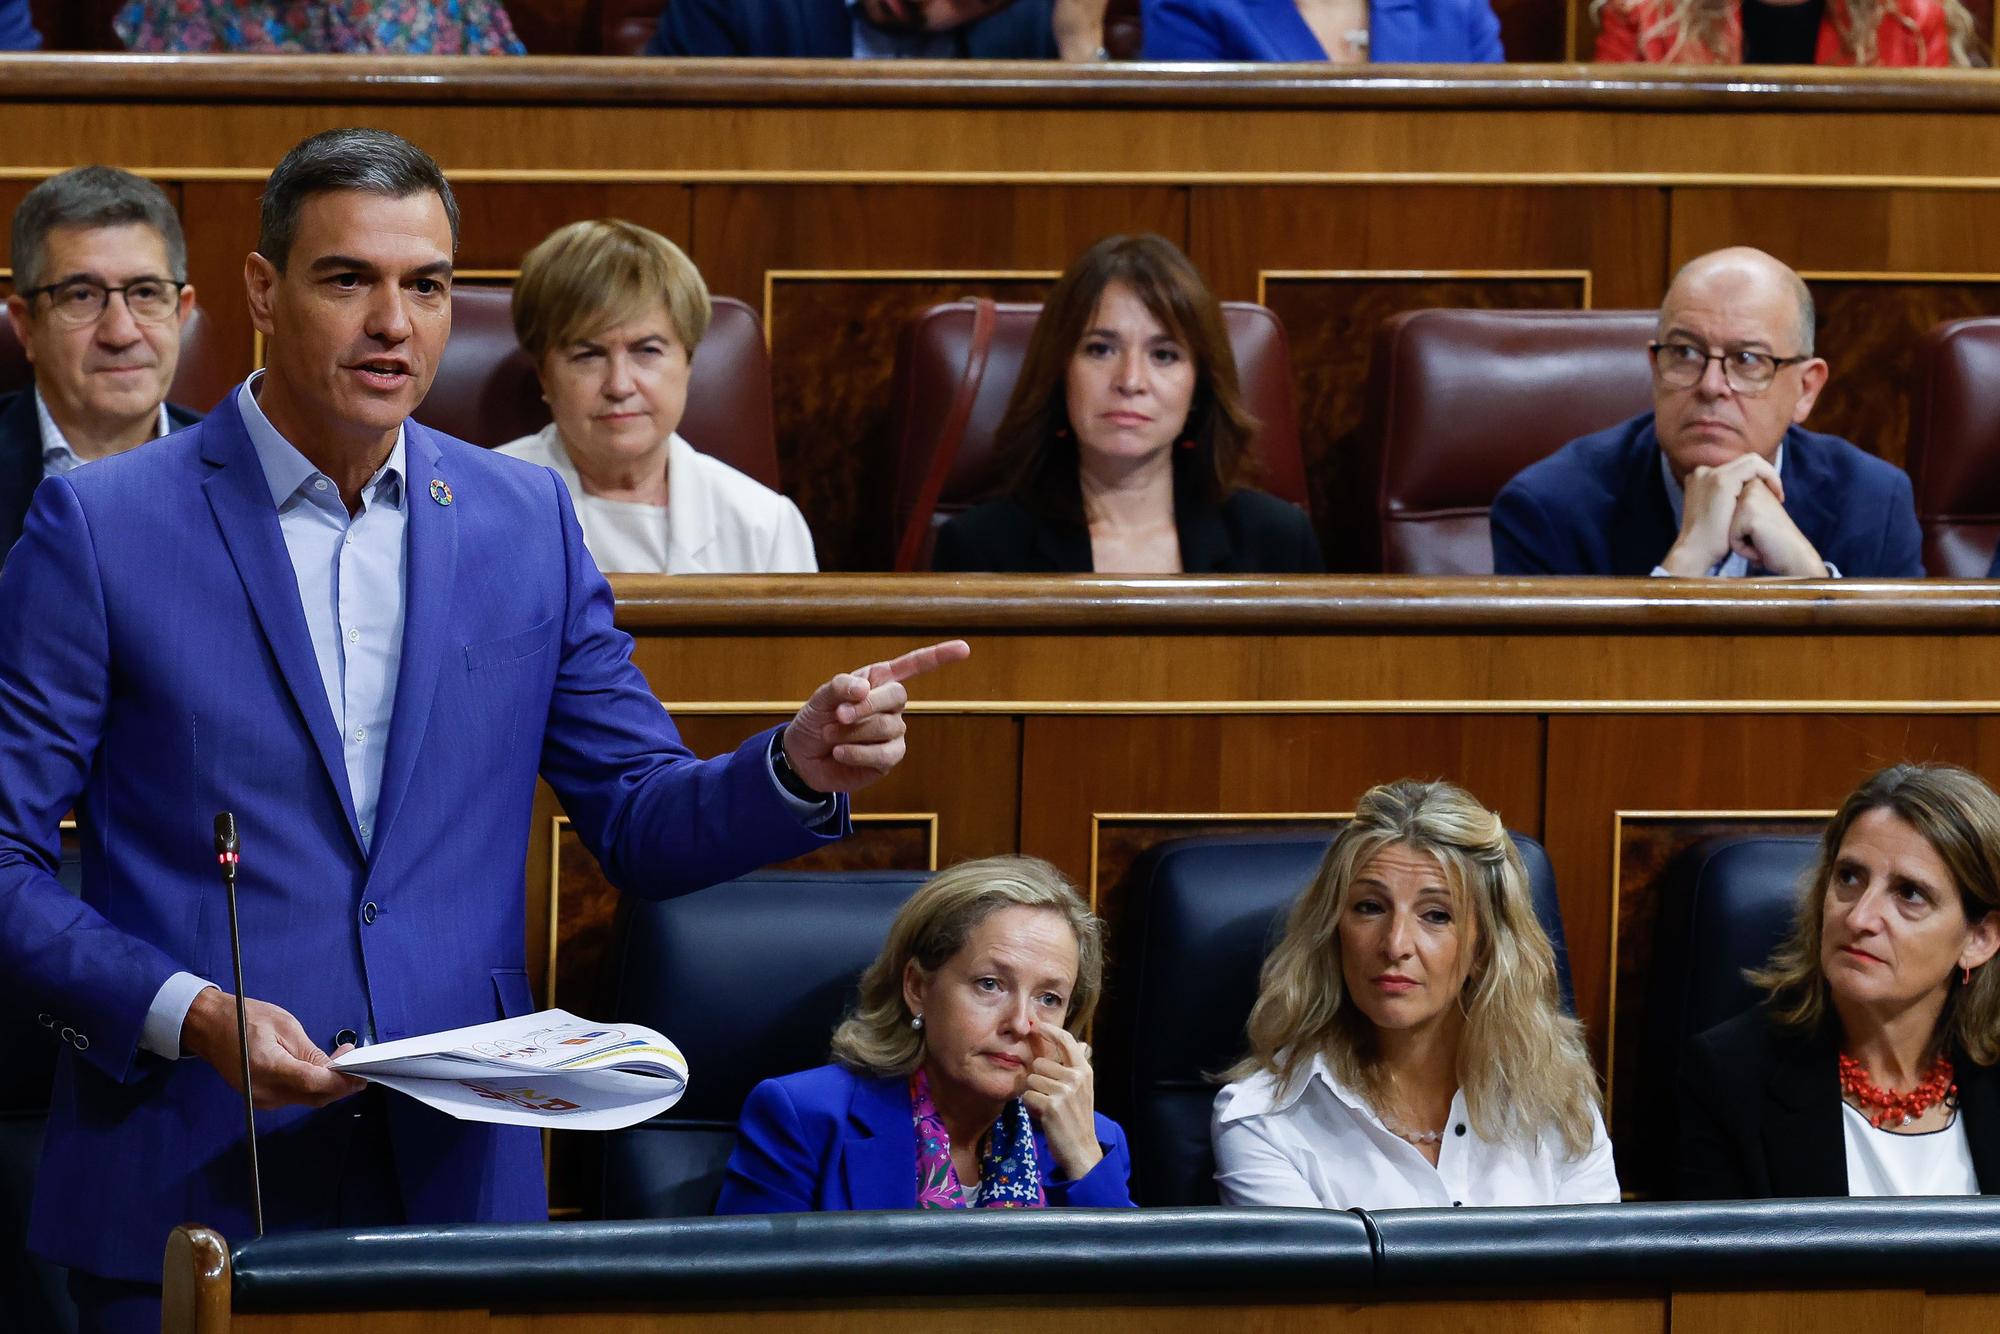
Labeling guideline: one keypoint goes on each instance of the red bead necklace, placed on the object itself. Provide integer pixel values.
(1884, 1108)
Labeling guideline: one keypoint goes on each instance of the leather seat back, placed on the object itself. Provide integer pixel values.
(1458, 401)
(1954, 453)
(488, 392)
(956, 365)
(1206, 913)
(749, 979)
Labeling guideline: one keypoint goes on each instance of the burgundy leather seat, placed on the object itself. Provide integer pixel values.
(201, 377)
(956, 365)
(625, 26)
(1458, 401)
(1954, 457)
(487, 391)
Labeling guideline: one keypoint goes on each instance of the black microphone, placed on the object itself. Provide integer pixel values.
(227, 857)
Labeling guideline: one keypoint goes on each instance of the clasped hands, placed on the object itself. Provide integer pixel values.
(847, 736)
(1739, 506)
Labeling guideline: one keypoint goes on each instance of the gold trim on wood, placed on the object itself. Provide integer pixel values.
(558, 823)
(1098, 819)
(1894, 276)
(1618, 819)
(773, 276)
(1126, 707)
(1367, 275)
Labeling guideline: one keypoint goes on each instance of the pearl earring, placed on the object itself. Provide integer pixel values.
(917, 1022)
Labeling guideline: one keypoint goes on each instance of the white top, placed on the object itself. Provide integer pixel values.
(1319, 1145)
(1882, 1163)
(716, 521)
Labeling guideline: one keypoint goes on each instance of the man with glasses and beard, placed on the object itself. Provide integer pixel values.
(1720, 479)
(99, 302)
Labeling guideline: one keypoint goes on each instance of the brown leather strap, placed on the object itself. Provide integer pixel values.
(950, 436)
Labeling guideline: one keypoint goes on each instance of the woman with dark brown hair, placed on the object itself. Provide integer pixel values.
(1126, 439)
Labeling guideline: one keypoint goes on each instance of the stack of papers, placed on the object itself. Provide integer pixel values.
(547, 1069)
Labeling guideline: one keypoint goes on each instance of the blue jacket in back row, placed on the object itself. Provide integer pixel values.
(824, 29)
(1399, 31)
(1598, 505)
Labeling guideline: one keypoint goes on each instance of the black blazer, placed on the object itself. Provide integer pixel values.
(1599, 506)
(1760, 1114)
(824, 29)
(1250, 532)
(21, 459)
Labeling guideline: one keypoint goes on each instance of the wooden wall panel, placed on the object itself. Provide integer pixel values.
(500, 221)
(1331, 321)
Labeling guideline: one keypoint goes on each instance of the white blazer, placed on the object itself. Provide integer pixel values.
(719, 521)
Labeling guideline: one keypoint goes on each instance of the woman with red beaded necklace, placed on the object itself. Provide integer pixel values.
(1870, 1068)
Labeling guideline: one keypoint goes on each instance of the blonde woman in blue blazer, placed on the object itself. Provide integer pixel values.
(1416, 32)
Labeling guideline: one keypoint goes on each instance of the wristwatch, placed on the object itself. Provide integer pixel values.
(788, 777)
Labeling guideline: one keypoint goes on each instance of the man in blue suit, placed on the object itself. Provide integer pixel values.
(364, 639)
(911, 29)
(99, 304)
(1720, 478)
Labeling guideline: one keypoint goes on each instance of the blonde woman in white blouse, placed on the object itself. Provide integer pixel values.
(1407, 1047)
(611, 313)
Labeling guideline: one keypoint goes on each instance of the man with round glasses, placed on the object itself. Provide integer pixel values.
(1720, 479)
(99, 303)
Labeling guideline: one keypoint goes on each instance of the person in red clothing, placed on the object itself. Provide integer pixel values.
(1787, 32)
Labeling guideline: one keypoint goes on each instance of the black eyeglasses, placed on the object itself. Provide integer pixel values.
(1683, 364)
(81, 301)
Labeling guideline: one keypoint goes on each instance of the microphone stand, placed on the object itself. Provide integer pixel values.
(227, 857)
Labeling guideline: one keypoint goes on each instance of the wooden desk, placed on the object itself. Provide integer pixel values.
(1617, 721)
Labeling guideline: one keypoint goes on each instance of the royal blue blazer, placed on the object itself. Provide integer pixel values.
(155, 668)
(1415, 32)
(830, 1139)
(1598, 505)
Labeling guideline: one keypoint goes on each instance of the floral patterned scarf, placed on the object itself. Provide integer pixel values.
(1009, 1177)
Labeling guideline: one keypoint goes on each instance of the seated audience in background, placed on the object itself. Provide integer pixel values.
(1345, 32)
(611, 314)
(1720, 478)
(17, 27)
(1407, 1047)
(1125, 440)
(1869, 1069)
(340, 27)
(956, 1082)
(1786, 32)
(99, 300)
(884, 29)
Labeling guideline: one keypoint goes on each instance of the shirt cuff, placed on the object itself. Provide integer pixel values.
(811, 814)
(161, 1033)
(1661, 572)
(1832, 570)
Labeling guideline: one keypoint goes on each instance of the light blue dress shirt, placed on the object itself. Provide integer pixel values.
(1734, 565)
(57, 455)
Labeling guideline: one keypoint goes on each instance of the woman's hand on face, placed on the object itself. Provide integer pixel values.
(1061, 1095)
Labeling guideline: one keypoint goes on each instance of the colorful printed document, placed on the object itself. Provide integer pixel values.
(547, 1069)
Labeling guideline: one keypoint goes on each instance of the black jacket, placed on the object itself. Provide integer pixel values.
(824, 29)
(1760, 1114)
(21, 459)
(1250, 532)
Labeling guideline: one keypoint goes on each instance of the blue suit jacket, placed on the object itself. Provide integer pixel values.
(17, 27)
(21, 458)
(155, 668)
(1598, 506)
(1399, 31)
(829, 1139)
(824, 29)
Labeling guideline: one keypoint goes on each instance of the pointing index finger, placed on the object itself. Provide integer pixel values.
(916, 662)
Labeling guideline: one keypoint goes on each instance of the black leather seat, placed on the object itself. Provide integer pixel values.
(1724, 905)
(31, 1291)
(748, 978)
(1206, 912)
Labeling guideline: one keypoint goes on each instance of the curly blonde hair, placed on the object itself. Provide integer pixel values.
(876, 1037)
(1959, 816)
(1521, 1060)
(1700, 29)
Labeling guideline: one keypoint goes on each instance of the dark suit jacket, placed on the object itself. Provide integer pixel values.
(1760, 1114)
(1599, 506)
(1250, 532)
(1399, 31)
(828, 1139)
(825, 30)
(21, 458)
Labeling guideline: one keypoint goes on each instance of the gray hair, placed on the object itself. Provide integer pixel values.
(91, 197)
(373, 161)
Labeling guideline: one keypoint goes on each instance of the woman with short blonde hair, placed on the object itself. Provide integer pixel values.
(957, 1081)
(1407, 1046)
(611, 314)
